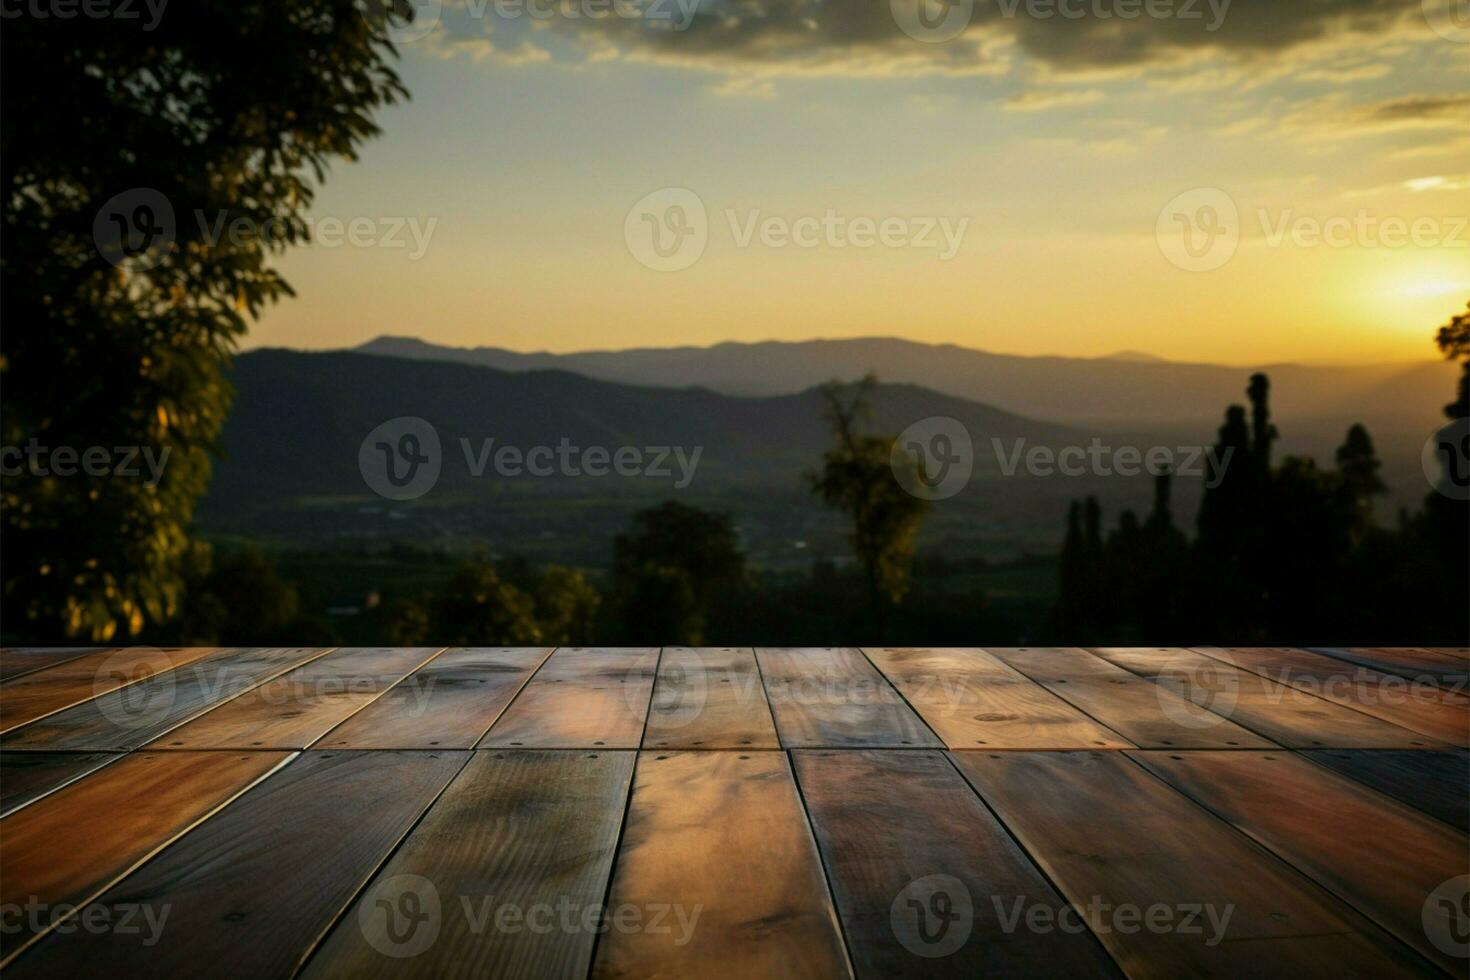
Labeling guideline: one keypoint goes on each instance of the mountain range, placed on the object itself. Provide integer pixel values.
(1129, 389)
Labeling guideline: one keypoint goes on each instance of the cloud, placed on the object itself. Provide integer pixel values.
(1043, 99)
(863, 37)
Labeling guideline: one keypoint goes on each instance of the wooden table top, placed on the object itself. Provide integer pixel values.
(735, 812)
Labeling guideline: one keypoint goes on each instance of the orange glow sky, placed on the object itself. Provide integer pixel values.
(1059, 141)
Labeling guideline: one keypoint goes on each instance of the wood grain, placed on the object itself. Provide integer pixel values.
(581, 698)
(976, 702)
(1438, 783)
(890, 826)
(1146, 713)
(450, 702)
(125, 719)
(529, 831)
(1284, 714)
(1442, 667)
(15, 661)
(721, 835)
(832, 697)
(1331, 830)
(43, 692)
(297, 708)
(1418, 706)
(251, 890)
(709, 698)
(28, 776)
(1106, 831)
(68, 846)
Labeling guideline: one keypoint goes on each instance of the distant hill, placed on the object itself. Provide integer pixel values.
(299, 418)
(1127, 389)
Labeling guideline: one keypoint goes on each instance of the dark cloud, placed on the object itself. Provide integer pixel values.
(1065, 35)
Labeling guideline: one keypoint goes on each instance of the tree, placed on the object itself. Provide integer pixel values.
(123, 303)
(478, 608)
(671, 572)
(857, 478)
(1357, 470)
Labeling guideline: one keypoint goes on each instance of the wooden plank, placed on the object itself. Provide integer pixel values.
(976, 702)
(709, 698)
(65, 848)
(16, 661)
(44, 692)
(903, 836)
(125, 719)
(450, 702)
(522, 839)
(1436, 666)
(27, 776)
(1284, 714)
(832, 697)
(1379, 856)
(250, 891)
(721, 836)
(1109, 834)
(581, 698)
(1438, 783)
(1418, 706)
(297, 708)
(1146, 713)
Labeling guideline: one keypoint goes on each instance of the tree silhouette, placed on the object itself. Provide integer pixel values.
(857, 478)
(119, 319)
(669, 573)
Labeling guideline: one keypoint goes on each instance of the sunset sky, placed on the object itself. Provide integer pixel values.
(1057, 141)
